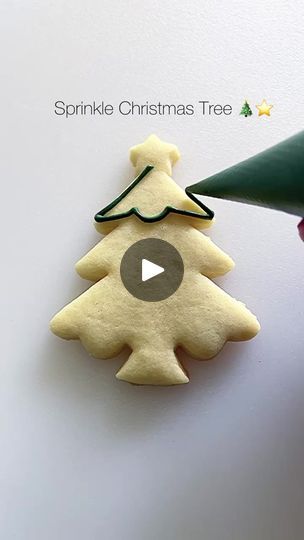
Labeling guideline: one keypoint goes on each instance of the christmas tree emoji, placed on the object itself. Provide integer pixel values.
(246, 111)
(152, 274)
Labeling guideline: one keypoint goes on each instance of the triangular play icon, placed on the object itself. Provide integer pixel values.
(150, 269)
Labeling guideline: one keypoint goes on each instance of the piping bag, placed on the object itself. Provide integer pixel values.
(273, 178)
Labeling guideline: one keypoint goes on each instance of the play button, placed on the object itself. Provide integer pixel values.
(149, 270)
(152, 269)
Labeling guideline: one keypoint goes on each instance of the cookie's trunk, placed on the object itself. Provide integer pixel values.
(160, 367)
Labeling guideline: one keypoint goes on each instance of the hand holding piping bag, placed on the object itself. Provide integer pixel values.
(273, 178)
(301, 229)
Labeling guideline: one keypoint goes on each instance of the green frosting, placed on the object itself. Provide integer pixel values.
(101, 215)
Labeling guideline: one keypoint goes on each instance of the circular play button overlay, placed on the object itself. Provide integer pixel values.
(152, 269)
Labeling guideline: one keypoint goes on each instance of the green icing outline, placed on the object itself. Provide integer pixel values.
(101, 217)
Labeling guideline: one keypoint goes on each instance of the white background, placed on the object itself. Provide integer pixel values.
(84, 456)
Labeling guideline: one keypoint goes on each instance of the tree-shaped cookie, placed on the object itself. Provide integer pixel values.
(197, 315)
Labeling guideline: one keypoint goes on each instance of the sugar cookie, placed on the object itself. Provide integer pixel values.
(152, 274)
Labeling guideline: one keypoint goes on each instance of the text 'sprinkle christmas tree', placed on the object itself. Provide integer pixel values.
(199, 316)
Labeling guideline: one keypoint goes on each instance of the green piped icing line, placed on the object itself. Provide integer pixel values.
(101, 215)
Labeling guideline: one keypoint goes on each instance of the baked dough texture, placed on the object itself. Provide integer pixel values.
(199, 317)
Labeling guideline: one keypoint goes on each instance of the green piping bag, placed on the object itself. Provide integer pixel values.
(273, 178)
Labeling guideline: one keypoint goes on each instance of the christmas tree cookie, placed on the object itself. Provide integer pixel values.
(153, 225)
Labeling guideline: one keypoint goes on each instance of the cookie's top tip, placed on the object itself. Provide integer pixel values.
(154, 151)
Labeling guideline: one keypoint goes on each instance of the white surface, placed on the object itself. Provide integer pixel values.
(150, 270)
(84, 456)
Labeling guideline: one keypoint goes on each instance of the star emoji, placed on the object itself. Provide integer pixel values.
(264, 108)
